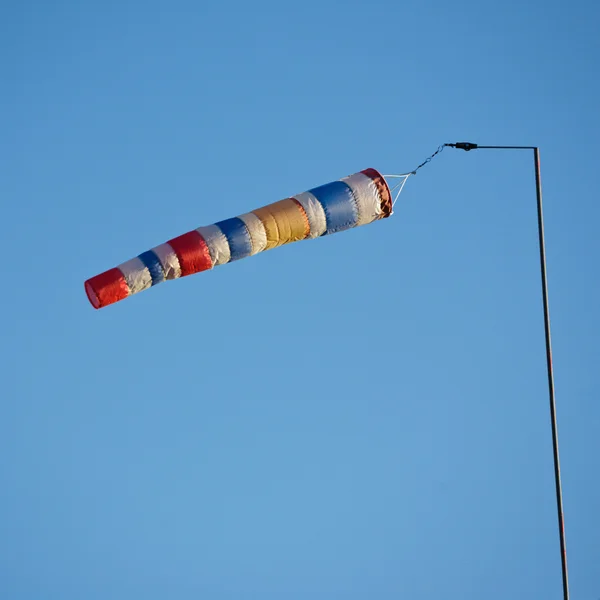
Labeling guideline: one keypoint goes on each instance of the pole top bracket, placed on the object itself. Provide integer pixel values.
(463, 146)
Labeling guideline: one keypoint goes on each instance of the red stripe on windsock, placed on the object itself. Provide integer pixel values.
(106, 288)
(192, 252)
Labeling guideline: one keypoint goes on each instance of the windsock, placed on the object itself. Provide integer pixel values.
(355, 200)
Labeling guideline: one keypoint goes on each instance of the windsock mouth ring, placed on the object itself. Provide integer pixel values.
(384, 191)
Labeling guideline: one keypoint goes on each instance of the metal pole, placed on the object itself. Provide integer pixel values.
(542, 247)
(559, 501)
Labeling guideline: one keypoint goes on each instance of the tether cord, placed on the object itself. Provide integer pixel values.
(428, 160)
(400, 186)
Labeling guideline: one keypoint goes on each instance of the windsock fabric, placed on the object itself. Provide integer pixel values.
(350, 202)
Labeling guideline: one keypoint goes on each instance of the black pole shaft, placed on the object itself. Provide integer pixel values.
(542, 247)
(550, 370)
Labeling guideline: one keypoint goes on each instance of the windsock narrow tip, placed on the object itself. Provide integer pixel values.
(106, 288)
(91, 294)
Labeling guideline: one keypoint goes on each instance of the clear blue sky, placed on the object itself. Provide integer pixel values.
(360, 416)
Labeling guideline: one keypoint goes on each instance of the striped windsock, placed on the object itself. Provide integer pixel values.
(355, 200)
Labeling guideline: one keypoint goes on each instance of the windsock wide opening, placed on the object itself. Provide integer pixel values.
(384, 191)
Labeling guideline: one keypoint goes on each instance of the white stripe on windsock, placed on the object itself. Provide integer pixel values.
(367, 197)
(258, 235)
(168, 260)
(217, 243)
(136, 275)
(315, 213)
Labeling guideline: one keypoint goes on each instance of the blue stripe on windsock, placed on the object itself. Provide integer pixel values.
(153, 265)
(339, 205)
(237, 235)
